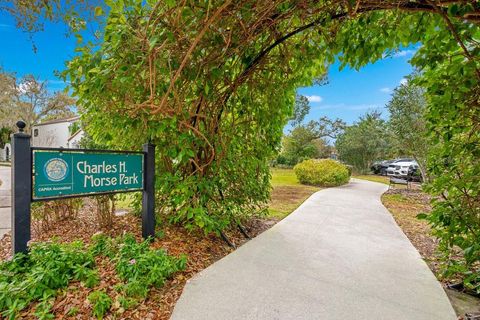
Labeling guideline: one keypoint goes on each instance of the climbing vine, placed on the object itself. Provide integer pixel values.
(212, 84)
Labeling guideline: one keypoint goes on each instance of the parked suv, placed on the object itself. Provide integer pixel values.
(401, 167)
(380, 167)
(384, 166)
(376, 167)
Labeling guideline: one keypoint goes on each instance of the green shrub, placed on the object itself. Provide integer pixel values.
(73, 311)
(38, 275)
(101, 303)
(137, 264)
(350, 169)
(126, 303)
(323, 173)
(143, 267)
(43, 310)
(48, 267)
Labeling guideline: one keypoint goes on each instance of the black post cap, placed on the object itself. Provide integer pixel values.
(21, 125)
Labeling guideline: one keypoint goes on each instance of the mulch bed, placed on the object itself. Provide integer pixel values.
(201, 251)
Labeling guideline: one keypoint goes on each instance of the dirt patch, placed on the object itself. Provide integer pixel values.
(285, 199)
(201, 251)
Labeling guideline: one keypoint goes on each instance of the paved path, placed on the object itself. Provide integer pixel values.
(5, 201)
(339, 256)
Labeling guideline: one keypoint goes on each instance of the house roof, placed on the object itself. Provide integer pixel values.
(69, 119)
(75, 134)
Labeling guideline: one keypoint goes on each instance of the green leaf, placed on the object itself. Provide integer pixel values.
(422, 216)
(98, 11)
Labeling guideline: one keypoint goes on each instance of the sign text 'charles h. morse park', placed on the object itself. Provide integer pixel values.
(44, 174)
(64, 173)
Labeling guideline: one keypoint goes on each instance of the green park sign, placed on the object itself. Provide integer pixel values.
(71, 173)
(43, 174)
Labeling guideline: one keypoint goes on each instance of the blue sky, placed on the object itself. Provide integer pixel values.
(17, 54)
(348, 95)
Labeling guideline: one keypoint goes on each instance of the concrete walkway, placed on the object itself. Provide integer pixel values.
(5, 201)
(339, 256)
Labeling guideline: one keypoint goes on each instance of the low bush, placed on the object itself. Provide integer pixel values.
(322, 173)
(137, 264)
(100, 302)
(105, 210)
(38, 275)
(47, 214)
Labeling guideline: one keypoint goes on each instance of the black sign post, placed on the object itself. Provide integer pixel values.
(68, 173)
(21, 189)
(148, 199)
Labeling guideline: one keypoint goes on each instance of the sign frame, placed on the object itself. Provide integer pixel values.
(22, 187)
(67, 150)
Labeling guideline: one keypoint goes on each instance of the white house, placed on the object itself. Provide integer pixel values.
(6, 152)
(57, 134)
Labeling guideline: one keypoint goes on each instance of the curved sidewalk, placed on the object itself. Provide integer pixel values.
(340, 255)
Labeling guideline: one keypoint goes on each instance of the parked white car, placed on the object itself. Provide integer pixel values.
(400, 168)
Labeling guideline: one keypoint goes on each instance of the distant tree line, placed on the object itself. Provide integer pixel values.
(29, 99)
(404, 135)
(369, 139)
(307, 140)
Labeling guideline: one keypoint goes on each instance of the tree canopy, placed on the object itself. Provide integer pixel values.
(407, 120)
(300, 109)
(212, 83)
(28, 99)
(30, 16)
(301, 143)
(364, 142)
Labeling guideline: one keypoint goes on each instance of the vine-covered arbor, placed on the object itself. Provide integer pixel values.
(213, 82)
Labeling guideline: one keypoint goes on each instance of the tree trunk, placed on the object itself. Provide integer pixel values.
(422, 168)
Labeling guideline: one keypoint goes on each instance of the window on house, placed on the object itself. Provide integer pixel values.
(35, 133)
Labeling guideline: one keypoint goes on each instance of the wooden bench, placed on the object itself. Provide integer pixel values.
(394, 181)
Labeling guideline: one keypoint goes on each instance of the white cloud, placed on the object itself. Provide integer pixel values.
(386, 90)
(363, 107)
(351, 107)
(403, 81)
(403, 53)
(23, 88)
(314, 98)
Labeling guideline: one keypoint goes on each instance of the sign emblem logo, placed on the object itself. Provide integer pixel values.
(56, 169)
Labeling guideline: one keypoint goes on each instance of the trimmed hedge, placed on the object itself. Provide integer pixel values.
(322, 173)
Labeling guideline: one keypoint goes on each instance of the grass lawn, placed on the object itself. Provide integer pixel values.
(287, 193)
(374, 178)
(386, 180)
(284, 177)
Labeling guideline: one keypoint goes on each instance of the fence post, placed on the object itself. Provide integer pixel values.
(148, 199)
(21, 189)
